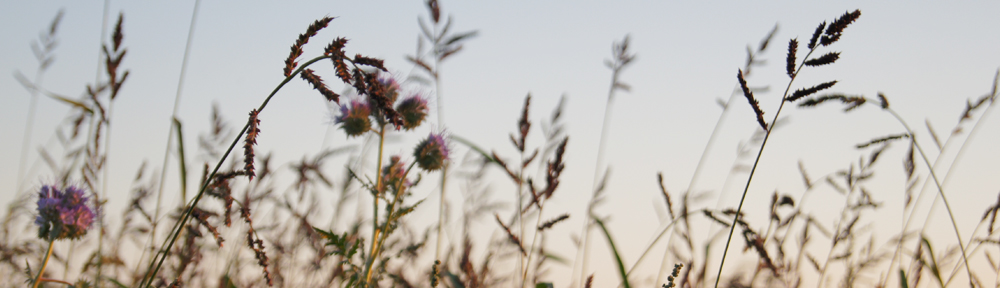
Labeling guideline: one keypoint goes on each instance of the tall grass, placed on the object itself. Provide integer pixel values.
(287, 242)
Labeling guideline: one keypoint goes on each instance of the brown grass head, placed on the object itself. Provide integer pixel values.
(793, 46)
(548, 224)
(835, 30)
(753, 102)
(523, 126)
(798, 94)
(816, 34)
(290, 63)
(827, 58)
(510, 235)
(248, 154)
(310, 76)
(254, 242)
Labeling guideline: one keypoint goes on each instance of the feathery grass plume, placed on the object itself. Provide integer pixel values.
(251, 140)
(548, 224)
(833, 32)
(590, 281)
(290, 63)
(827, 58)
(809, 91)
(310, 76)
(510, 235)
(793, 46)
(753, 102)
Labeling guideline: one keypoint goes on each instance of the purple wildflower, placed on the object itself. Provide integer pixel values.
(63, 214)
(432, 152)
(414, 111)
(355, 119)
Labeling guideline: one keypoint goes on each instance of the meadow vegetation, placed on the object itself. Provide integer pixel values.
(218, 238)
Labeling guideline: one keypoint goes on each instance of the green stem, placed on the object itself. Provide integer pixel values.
(389, 217)
(378, 190)
(45, 262)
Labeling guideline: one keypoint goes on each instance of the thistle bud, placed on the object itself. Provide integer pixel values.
(391, 88)
(393, 173)
(432, 152)
(354, 120)
(414, 111)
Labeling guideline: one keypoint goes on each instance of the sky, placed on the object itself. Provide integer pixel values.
(928, 58)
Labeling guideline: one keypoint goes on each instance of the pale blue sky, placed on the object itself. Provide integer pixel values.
(927, 57)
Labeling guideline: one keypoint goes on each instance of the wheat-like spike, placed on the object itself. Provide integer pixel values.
(369, 61)
(510, 235)
(815, 36)
(290, 63)
(753, 102)
(827, 58)
(882, 102)
(666, 195)
(251, 140)
(834, 31)
(310, 76)
(548, 224)
(889, 138)
(793, 46)
(809, 91)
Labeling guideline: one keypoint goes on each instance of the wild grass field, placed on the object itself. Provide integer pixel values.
(420, 170)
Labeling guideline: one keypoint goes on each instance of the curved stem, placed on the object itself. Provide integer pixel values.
(767, 135)
(169, 242)
(45, 262)
(944, 199)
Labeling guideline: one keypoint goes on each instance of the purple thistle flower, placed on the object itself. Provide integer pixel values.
(63, 214)
(432, 152)
(414, 111)
(355, 119)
